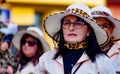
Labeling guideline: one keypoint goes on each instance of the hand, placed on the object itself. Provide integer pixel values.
(8, 70)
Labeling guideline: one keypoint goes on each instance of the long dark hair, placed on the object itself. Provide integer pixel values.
(92, 49)
(23, 59)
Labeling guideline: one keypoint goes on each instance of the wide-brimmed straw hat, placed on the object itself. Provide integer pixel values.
(102, 11)
(52, 23)
(35, 33)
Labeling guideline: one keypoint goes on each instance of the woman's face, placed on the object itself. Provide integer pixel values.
(4, 46)
(74, 31)
(29, 46)
(106, 24)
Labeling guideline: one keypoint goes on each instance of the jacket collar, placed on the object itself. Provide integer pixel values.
(115, 49)
(83, 58)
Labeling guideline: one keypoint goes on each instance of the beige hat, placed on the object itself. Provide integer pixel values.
(52, 23)
(37, 30)
(34, 33)
(102, 11)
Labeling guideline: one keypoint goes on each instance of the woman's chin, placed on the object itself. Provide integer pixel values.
(72, 42)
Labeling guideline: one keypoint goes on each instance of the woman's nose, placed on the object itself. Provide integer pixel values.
(71, 27)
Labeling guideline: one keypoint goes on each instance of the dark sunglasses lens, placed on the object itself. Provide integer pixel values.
(31, 43)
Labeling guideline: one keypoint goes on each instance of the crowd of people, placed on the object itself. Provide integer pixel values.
(86, 42)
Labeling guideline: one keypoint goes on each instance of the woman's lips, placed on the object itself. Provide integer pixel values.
(72, 35)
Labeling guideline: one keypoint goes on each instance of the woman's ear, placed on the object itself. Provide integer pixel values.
(89, 30)
(87, 34)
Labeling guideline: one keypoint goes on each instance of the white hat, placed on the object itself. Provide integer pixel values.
(37, 30)
(52, 23)
(11, 28)
(33, 32)
(102, 11)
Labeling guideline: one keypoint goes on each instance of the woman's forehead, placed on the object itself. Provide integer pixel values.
(26, 36)
(68, 17)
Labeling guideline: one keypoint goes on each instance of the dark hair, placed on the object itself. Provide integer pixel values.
(23, 59)
(91, 50)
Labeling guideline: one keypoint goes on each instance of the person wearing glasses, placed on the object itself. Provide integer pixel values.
(103, 16)
(78, 37)
(31, 46)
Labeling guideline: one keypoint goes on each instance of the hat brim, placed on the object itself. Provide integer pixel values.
(116, 22)
(16, 39)
(52, 25)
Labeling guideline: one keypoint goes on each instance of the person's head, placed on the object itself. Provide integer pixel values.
(78, 12)
(7, 29)
(106, 24)
(73, 26)
(103, 16)
(74, 29)
(30, 44)
(6, 42)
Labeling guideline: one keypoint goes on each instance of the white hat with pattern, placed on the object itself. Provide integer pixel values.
(102, 11)
(52, 23)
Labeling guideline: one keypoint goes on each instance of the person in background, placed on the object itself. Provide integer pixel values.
(31, 46)
(103, 16)
(11, 28)
(78, 37)
(8, 63)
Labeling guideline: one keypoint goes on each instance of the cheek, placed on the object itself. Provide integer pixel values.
(29, 50)
(33, 50)
(82, 35)
(65, 33)
(83, 32)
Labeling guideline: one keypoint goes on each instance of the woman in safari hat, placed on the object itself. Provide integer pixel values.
(78, 38)
(103, 16)
(31, 46)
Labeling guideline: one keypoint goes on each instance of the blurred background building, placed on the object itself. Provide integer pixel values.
(32, 12)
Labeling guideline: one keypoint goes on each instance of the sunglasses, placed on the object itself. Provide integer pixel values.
(29, 42)
(77, 24)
